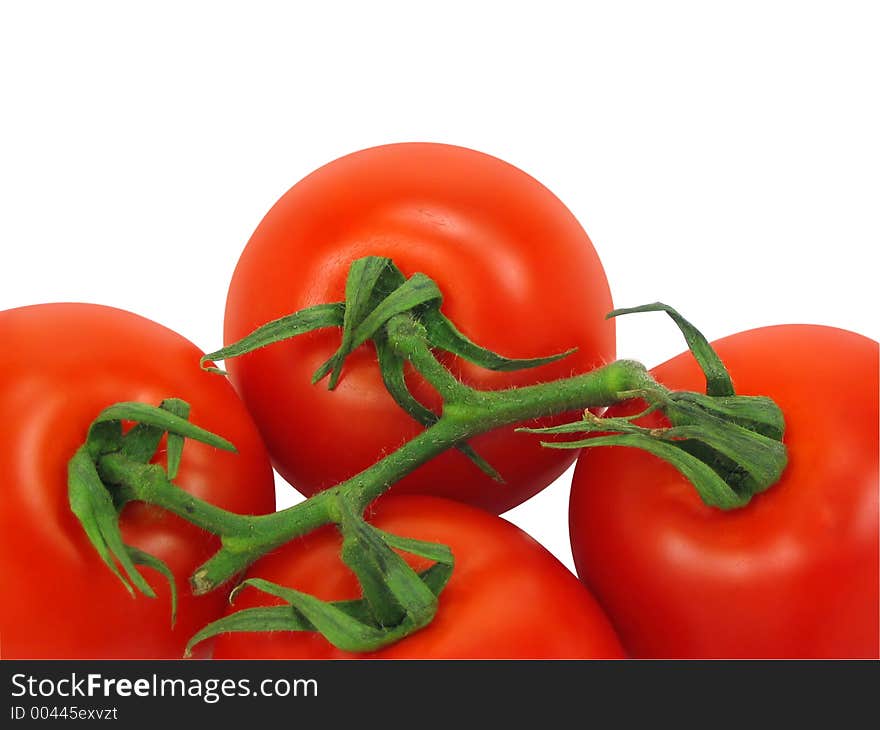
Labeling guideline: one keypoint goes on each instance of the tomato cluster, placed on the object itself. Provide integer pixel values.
(792, 574)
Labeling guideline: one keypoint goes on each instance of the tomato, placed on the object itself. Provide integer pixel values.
(794, 573)
(519, 276)
(507, 597)
(62, 364)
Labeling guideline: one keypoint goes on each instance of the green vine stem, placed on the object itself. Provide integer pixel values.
(246, 538)
(729, 446)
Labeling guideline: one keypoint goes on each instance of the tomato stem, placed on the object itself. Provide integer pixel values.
(409, 338)
(149, 483)
(245, 538)
(479, 412)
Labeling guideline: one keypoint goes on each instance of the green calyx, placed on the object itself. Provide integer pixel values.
(728, 446)
(396, 600)
(379, 299)
(375, 292)
(98, 508)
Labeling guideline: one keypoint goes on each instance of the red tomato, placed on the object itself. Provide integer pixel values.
(62, 364)
(519, 276)
(793, 574)
(507, 597)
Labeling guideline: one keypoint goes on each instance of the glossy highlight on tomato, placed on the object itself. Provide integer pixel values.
(519, 276)
(507, 597)
(62, 364)
(794, 573)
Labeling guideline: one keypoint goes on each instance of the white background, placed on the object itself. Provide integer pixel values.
(723, 157)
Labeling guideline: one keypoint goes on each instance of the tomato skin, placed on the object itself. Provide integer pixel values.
(62, 364)
(507, 597)
(519, 276)
(792, 575)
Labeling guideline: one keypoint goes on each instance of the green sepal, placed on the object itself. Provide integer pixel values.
(363, 275)
(437, 576)
(370, 280)
(761, 456)
(754, 412)
(264, 618)
(140, 557)
(283, 328)
(373, 562)
(713, 490)
(391, 588)
(174, 444)
(142, 440)
(438, 552)
(149, 416)
(718, 381)
(444, 335)
(104, 437)
(94, 508)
